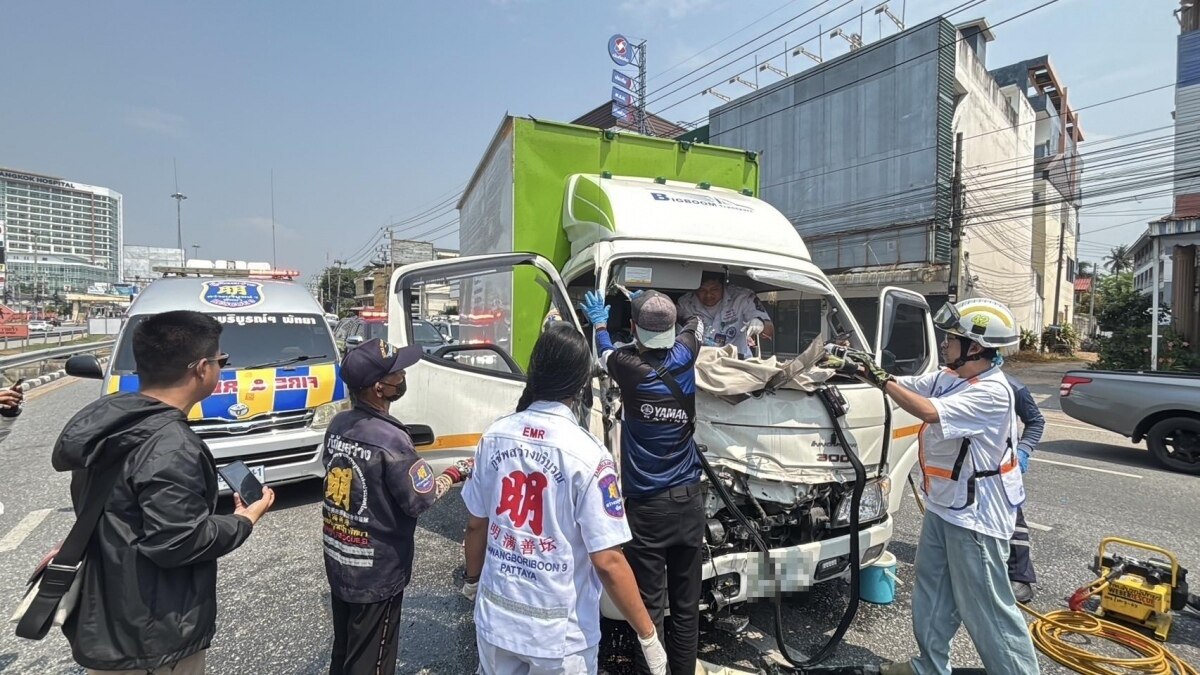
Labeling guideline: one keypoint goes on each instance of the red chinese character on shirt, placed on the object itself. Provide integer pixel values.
(527, 546)
(494, 530)
(548, 545)
(521, 497)
(510, 542)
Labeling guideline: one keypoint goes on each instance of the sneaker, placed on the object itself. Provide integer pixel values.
(1023, 591)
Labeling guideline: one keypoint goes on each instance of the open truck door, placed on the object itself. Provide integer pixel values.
(459, 389)
(905, 345)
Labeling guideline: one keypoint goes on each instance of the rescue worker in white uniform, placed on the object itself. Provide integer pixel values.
(546, 527)
(971, 481)
(729, 315)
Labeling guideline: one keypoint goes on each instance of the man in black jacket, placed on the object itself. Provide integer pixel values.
(375, 487)
(148, 602)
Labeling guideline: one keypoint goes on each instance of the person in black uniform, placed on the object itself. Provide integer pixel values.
(375, 487)
(660, 465)
(1020, 563)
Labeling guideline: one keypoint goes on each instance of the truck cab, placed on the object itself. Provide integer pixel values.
(773, 445)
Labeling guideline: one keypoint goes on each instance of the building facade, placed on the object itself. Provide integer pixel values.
(1142, 253)
(138, 262)
(859, 152)
(60, 236)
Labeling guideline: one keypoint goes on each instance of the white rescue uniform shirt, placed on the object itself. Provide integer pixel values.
(970, 474)
(551, 495)
(725, 323)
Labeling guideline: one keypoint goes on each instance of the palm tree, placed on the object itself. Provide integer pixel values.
(1118, 259)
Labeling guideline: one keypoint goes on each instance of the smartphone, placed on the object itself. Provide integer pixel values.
(237, 475)
(18, 383)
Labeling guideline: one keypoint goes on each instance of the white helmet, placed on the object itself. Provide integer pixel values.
(980, 320)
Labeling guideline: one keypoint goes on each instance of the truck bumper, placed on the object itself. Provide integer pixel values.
(286, 457)
(793, 569)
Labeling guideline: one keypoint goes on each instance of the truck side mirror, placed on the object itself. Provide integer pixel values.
(421, 434)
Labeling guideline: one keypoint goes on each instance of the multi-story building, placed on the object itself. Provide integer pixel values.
(1057, 171)
(60, 235)
(859, 152)
(1142, 253)
(138, 262)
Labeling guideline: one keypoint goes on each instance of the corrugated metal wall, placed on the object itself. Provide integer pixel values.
(857, 143)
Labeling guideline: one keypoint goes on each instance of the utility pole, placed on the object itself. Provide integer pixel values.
(337, 299)
(1092, 310)
(274, 260)
(957, 197)
(178, 197)
(325, 288)
(195, 250)
(1062, 212)
(642, 121)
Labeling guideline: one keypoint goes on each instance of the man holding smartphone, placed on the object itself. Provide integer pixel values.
(148, 601)
(375, 487)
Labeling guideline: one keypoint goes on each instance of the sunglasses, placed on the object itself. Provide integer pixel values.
(221, 360)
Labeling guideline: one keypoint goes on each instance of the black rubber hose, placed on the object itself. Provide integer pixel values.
(860, 479)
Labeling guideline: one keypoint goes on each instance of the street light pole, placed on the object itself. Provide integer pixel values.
(178, 197)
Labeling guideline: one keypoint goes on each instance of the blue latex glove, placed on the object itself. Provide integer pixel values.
(1023, 459)
(593, 306)
(634, 295)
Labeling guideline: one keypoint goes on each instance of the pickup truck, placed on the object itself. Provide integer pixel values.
(1163, 408)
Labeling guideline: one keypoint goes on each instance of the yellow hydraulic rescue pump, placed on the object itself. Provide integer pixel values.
(1139, 592)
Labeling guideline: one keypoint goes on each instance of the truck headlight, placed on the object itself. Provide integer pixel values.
(324, 414)
(873, 506)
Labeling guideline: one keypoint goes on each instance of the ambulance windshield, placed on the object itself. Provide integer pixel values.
(251, 339)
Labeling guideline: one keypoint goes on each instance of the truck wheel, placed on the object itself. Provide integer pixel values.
(1175, 443)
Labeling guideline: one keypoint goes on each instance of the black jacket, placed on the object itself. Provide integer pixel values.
(149, 594)
(375, 487)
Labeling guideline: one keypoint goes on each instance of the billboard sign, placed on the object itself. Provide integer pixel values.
(622, 113)
(620, 51)
(621, 96)
(622, 80)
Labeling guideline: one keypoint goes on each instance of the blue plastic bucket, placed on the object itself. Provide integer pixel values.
(877, 583)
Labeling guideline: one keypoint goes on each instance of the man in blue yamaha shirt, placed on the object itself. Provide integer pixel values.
(375, 487)
(660, 465)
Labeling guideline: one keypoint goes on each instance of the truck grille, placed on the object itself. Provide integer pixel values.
(273, 458)
(258, 425)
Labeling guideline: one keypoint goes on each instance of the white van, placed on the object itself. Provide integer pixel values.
(281, 387)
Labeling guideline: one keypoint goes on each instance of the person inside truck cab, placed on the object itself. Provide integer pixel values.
(729, 314)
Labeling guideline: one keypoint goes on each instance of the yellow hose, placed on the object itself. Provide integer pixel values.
(1049, 633)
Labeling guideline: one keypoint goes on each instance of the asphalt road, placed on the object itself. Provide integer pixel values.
(1084, 484)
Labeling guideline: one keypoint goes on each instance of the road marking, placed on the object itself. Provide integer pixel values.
(1039, 527)
(1086, 468)
(23, 529)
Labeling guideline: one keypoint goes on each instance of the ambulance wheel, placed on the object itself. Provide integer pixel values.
(1175, 443)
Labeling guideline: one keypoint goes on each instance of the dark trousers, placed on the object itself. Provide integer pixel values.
(1020, 564)
(665, 554)
(366, 637)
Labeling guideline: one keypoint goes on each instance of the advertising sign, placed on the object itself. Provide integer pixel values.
(15, 325)
(621, 112)
(622, 80)
(620, 51)
(621, 96)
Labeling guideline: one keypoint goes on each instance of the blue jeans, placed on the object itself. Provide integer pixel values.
(962, 578)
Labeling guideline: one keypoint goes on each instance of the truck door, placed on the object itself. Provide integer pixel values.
(501, 303)
(905, 344)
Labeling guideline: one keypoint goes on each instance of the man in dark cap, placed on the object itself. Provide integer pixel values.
(660, 465)
(375, 487)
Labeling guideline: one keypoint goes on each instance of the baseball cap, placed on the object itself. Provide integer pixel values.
(654, 318)
(374, 360)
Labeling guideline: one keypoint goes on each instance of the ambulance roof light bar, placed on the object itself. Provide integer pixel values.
(168, 271)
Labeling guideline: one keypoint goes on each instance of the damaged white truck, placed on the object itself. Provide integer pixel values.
(556, 210)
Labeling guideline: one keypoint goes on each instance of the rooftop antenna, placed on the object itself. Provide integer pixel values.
(885, 11)
(718, 94)
(178, 197)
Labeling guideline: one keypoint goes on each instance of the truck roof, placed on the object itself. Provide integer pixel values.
(260, 295)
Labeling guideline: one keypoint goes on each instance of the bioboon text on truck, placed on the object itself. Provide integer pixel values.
(556, 210)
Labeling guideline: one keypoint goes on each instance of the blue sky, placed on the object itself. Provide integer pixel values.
(369, 112)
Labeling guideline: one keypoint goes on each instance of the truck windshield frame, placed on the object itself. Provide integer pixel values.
(250, 339)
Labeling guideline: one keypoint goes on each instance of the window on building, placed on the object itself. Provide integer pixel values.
(1070, 269)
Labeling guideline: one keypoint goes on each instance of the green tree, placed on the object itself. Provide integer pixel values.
(336, 289)
(1084, 270)
(1127, 314)
(1119, 259)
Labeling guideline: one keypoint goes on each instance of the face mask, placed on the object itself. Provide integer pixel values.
(401, 389)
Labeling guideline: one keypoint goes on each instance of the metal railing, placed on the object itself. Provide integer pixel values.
(65, 351)
(58, 335)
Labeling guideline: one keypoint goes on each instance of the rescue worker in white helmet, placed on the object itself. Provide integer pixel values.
(971, 482)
